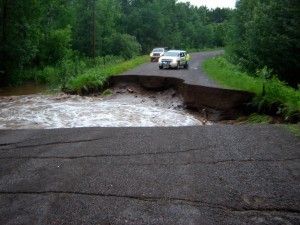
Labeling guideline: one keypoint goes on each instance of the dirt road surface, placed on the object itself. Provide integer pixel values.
(218, 174)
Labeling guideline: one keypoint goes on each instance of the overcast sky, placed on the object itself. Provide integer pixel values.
(212, 3)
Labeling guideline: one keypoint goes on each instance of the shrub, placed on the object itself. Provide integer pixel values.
(94, 79)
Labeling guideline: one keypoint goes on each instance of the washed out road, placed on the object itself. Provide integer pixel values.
(219, 174)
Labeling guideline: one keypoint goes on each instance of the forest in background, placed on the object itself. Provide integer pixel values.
(266, 34)
(47, 34)
(50, 41)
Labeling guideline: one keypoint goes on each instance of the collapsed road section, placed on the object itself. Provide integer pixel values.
(214, 103)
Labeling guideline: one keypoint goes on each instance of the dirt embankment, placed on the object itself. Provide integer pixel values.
(213, 103)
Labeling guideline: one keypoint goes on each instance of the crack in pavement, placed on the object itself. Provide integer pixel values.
(17, 145)
(241, 161)
(176, 201)
(215, 162)
(156, 153)
(104, 155)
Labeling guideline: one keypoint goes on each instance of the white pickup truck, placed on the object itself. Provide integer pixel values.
(156, 53)
(174, 59)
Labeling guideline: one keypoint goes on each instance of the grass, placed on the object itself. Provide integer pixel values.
(256, 118)
(278, 99)
(93, 80)
(228, 76)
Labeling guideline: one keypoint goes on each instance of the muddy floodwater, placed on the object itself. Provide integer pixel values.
(125, 107)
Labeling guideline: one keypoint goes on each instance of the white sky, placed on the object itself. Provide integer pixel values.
(212, 3)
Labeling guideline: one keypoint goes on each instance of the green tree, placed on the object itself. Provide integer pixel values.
(51, 33)
(58, 46)
(267, 33)
(123, 45)
(19, 37)
(84, 26)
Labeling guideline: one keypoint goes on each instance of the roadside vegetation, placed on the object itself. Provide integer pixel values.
(272, 96)
(75, 45)
(263, 57)
(95, 79)
(54, 41)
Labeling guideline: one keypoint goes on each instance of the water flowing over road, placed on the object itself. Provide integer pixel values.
(122, 109)
(65, 111)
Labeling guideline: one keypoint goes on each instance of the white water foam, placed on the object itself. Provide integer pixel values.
(38, 111)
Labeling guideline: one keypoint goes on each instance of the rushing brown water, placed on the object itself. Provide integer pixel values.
(121, 109)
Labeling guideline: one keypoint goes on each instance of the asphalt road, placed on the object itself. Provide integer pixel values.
(219, 174)
(193, 75)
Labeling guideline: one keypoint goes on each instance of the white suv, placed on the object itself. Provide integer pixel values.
(174, 59)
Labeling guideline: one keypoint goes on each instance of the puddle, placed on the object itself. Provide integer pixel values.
(126, 107)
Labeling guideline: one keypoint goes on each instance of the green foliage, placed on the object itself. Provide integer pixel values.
(56, 75)
(37, 35)
(256, 118)
(19, 37)
(266, 33)
(229, 76)
(123, 45)
(57, 46)
(278, 98)
(94, 79)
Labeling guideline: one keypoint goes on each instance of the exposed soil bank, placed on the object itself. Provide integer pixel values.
(213, 103)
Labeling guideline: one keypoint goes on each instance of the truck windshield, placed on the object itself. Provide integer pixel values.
(158, 50)
(171, 54)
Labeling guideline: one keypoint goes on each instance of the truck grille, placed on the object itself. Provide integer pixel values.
(166, 62)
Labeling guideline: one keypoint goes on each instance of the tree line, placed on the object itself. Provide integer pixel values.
(39, 33)
(36, 34)
(266, 34)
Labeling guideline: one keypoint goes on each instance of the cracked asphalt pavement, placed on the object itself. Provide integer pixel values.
(245, 174)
